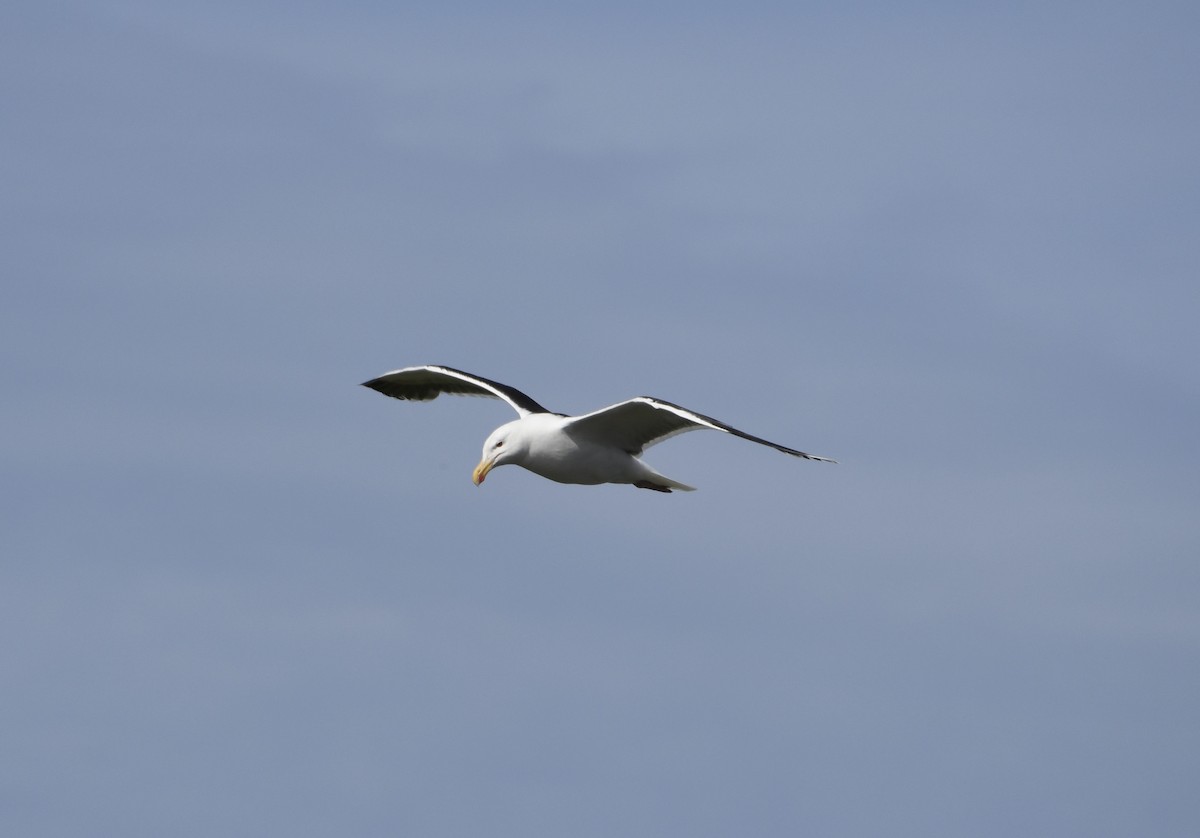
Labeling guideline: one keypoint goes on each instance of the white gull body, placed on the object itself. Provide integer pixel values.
(599, 447)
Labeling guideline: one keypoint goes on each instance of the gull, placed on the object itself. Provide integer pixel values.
(603, 446)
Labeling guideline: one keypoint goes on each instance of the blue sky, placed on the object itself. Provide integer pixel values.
(954, 248)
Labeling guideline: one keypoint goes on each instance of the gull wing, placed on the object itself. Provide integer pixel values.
(639, 423)
(424, 383)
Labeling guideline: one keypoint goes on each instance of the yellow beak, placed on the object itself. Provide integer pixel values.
(481, 471)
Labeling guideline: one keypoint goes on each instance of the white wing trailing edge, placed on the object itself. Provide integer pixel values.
(644, 421)
(428, 382)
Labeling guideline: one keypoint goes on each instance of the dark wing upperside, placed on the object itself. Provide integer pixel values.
(639, 423)
(429, 382)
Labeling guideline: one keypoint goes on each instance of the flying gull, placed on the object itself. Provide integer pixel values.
(603, 446)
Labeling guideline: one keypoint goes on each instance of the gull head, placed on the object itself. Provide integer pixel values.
(503, 446)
